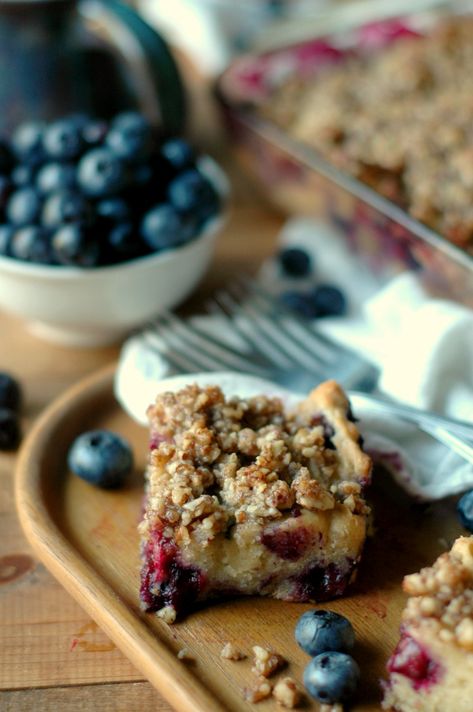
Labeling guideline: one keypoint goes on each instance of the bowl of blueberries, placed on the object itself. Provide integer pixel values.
(102, 225)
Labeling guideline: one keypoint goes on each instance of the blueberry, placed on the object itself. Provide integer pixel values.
(332, 677)
(191, 192)
(321, 631)
(94, 132)
(23, 175)
(329, 301)
(62, 140)
(55, 177)
(27, 143)
(130, 137)
(164, 227)
(123, 242)
(10, 392)
(101, 457)
(100, 173)
(24, 207)
(178, 153)
(131, 121)
(66, 207)
(6, 233)
(465, 510)
(75, 245)
(300, 303)
(31, 244)
(9, 429)
(113, 210)
(295, 262)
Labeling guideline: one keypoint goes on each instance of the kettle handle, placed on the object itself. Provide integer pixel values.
(165, 75)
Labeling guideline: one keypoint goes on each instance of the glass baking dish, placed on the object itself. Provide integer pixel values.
(298, 180)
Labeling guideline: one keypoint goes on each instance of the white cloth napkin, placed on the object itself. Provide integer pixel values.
(423, 347)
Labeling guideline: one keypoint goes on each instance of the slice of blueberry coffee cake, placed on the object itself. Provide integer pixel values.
(242, 498)
(431, 669)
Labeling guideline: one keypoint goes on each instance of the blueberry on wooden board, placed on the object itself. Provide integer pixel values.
(102, 458)
(332, 677)
(322, 631)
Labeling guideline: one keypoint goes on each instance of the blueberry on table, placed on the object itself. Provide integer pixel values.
(329, 300)
(102, 458)
(10, 392)
(295, 262)
(62, 140)
(75, 245)
(10, 433)
(164, 227)
(320, 631)
(178, 153)
(100, 173)
(465, 510)
(332, 677)
(24, 207)
(31, 243)
(300, 303)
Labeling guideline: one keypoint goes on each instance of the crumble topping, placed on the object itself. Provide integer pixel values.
(259, 691)
(231, 652)
(442, 595)
(399, 119)
(287, 693)
(216, 462)
(167, 614)
(266, 662)
(185, 654)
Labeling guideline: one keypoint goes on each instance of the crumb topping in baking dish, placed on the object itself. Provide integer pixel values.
(400, 119)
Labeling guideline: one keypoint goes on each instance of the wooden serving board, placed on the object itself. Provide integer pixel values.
(87, 537)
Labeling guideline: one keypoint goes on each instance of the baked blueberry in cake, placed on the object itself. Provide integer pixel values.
(431, 669)
(243, 498)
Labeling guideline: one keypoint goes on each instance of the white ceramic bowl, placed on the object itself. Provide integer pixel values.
(93, 307)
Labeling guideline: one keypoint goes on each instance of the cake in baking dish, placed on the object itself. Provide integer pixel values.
(244, 498)
(431, 669)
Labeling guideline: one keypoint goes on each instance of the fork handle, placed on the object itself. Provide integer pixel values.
(462, 448)
(421, 417)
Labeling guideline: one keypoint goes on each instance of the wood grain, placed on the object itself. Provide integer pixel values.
(118, 697)
(88, 538)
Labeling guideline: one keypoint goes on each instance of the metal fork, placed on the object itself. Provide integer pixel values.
(275, 344)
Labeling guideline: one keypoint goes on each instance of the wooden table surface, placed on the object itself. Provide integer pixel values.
(52, 655)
